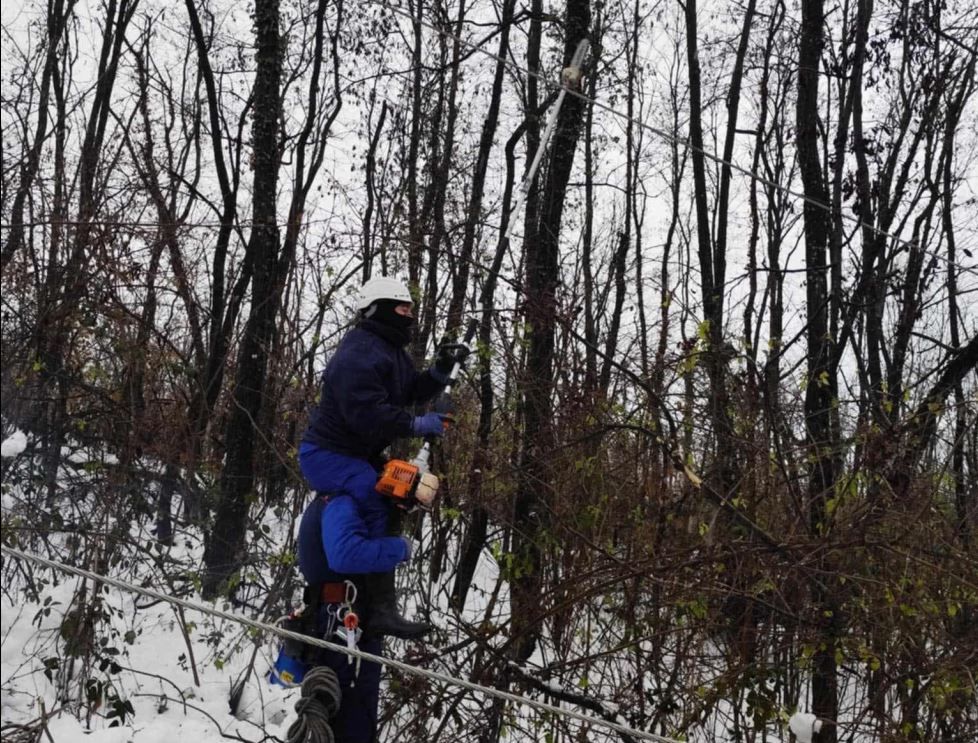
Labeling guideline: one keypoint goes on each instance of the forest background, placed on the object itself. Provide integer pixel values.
(716, 454)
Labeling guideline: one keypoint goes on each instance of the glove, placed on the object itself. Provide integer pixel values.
(411, 547)
(448, 355)
(429, 424)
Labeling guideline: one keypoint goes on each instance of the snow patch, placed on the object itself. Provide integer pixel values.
(804, 725)
(13, 445)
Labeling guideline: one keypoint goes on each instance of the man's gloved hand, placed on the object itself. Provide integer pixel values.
(448, 355)
(411, 547)
(429, 424)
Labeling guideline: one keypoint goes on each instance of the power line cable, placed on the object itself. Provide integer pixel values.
(353, 652)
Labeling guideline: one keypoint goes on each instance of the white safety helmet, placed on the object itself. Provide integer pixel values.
(383, 287)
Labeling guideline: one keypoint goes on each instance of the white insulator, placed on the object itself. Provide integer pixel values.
(570, 77)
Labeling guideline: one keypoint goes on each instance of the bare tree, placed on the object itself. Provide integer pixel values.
(223, 552)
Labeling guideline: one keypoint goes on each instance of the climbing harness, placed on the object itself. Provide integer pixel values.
(321, 695)
(295, 659)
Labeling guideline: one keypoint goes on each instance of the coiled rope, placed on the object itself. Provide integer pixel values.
(320, 700)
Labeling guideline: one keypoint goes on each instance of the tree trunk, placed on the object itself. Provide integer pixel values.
(963, 493)
(223, 310)
(66, 285)
(415, 242)
(474, 212)
(435, 198)
(619, 260)
(534, 497)
(818, 397)
(368, 213)
(224, 548)
(475, 537)
(712, 260)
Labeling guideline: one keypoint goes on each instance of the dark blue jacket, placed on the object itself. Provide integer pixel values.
(366, 388)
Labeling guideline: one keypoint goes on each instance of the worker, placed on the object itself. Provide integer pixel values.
(345, 536)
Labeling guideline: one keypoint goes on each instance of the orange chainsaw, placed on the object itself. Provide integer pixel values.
(412, 483)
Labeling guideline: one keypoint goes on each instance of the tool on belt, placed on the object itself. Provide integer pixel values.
(348, 627)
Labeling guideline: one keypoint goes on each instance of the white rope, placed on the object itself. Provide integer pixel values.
(287, 634)
(911, 244)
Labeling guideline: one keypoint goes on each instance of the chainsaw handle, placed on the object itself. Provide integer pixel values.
(444, 404)
(467, 341)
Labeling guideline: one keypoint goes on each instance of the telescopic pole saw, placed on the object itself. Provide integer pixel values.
(570, 79)
(411, 483)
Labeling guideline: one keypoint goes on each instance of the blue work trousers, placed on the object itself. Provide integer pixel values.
(354, 521)
(356, 721)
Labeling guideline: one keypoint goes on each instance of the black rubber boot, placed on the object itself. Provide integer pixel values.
(382, 616)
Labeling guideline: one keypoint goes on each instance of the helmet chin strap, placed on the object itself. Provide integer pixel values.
(371, 310)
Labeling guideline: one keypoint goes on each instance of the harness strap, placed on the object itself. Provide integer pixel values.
(330, 592)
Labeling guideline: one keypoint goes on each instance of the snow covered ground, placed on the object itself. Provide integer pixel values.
(152, 681)
(162, 672)
(155, 677)
(13, 445)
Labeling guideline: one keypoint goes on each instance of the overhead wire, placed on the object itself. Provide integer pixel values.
(285, 634)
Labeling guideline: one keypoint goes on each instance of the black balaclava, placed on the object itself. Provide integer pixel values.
(382, 316)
